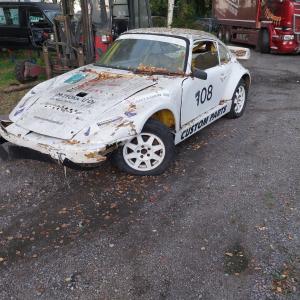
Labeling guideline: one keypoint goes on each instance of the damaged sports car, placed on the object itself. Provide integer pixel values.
(153, 89)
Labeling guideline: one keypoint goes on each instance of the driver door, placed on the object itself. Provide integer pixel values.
(200, 96)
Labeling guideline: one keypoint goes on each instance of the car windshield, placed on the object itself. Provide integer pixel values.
(145, 56)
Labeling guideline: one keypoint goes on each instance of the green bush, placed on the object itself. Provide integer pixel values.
(159, 7)
(184, 14)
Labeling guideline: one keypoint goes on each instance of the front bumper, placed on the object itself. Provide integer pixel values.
(60, 150)
(288, 47)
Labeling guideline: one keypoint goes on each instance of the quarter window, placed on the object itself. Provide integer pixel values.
(205, 55)
(9, 16)
(224, 55)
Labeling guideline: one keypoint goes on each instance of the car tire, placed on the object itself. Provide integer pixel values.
(221, 33)
(227, 35)
(239, 100)
(264, 41)
(148, 154)
(20, 72)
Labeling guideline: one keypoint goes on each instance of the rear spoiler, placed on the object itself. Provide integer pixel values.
(240, 52)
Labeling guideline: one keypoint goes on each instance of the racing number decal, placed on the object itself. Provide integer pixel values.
(204, 95)
(209, 93)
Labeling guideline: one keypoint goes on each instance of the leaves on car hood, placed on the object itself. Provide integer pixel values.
(66, 108)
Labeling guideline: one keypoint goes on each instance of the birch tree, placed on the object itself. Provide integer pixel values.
(170, 12)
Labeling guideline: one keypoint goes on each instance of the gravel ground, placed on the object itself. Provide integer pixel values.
(222, 223)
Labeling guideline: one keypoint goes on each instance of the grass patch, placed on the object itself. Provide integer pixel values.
(8, 61)
(7, 77)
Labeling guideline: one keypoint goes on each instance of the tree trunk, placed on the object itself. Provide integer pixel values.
(170, 12)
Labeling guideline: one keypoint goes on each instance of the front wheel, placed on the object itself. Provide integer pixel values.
(149, 153)
(239, 100)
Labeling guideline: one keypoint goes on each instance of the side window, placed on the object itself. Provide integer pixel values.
(2, 17)
(37, 18)
(9, 16)
(14, 15)
(225, 56)
(205, 55)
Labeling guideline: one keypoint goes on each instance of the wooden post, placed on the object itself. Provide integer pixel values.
(47, 62)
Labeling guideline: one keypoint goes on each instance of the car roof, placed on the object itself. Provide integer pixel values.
(176, 32)
(42, 5)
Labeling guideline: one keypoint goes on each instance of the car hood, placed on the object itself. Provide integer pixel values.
(75, 100)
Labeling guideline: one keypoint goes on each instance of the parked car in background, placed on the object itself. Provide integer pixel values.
(153, 89)
(26, 24)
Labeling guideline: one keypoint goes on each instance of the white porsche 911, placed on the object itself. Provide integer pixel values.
(153, 89)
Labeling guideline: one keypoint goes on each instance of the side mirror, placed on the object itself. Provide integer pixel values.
(199, 74)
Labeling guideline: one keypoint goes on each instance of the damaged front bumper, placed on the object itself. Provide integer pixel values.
(64, 152)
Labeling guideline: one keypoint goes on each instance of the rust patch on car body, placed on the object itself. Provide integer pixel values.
(131, 107)
(95, 155)
(223, 101)
(150, 70)
(126, 123)
(105, 75)
(72, 142)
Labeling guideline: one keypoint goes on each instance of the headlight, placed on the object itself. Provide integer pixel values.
(288, 37)
(105, 39)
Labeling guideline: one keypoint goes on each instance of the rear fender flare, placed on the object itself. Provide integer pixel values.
(237, 76)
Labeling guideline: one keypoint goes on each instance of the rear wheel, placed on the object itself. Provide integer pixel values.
(220, 33)
(264, 41)
(150, 153)
(227, 36)
(239, 100)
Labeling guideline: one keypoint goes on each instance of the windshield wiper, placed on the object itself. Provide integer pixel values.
(158, 72)
(102, 65)
(144, 70)
(112, 67)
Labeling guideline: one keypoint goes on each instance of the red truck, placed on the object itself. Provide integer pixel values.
(268, 24)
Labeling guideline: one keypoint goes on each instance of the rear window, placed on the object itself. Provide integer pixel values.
(9, 16)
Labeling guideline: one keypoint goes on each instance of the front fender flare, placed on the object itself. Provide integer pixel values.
(143, 119)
